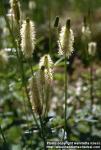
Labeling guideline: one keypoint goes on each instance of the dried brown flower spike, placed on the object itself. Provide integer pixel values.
(35, 96)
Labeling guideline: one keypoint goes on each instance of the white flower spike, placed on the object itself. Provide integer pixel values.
(27, 38)
(66, 40)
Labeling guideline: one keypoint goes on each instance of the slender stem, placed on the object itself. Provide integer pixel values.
(47, 100)
(12, 26)
(42, 132)
(91, 94)
(65, 86)
(50, 42)
(3, 136)
(43, 96)
(25, 109)
(31, 66)
(91, 89)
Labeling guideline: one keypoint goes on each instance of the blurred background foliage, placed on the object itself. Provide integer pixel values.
(83, 125)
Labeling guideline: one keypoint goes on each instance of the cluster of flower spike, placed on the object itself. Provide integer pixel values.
(43, 78)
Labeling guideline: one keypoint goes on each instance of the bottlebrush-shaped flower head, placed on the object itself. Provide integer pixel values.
(27, 38)
(66, 40)
(86, 33)
(15, 8)
(92, 48)
(47, 63)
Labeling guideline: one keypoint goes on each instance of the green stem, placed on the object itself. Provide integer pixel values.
(65, 84)
(91, 94)
(3, 137)
(42, 133)
(50, 42)
(47, 100)
(43, 96)
(25, 110)
(31, 66)
(91, 89)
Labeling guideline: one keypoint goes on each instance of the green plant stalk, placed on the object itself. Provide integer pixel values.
(25, 109)
(43, 97)
(50, 42)
(91, 93)
(65, 86)
(91, 89)
(31, 66)
(3, 136)
(42, 133)
(47, 100)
